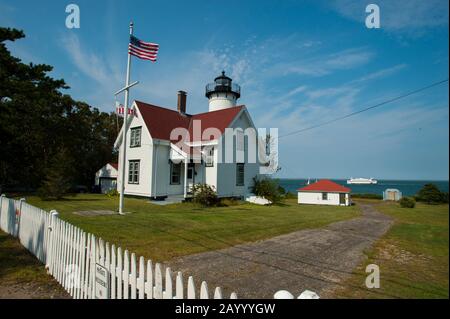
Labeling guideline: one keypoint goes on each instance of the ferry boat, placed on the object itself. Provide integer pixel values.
(361, 181)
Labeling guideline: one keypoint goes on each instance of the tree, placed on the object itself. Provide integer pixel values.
(37, 120)
(431, 194)
(58, 178)
(267, 188)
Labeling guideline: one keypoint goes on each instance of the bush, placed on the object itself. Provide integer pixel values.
(430, 194)
(267, 188)
(407, 202)
(112, 193)
(204, 195)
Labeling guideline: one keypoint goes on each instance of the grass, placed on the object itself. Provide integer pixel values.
(17, 265)
(166, 232)
(413, 256)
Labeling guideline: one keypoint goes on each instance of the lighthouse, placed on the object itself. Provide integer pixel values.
(222, 93)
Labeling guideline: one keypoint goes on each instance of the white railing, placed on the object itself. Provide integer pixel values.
(72, 255)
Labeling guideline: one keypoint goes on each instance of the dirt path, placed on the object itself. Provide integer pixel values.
(315, 259)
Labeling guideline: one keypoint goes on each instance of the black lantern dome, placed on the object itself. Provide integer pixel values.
(223, 84)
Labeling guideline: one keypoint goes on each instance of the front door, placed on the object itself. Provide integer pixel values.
(342, 199)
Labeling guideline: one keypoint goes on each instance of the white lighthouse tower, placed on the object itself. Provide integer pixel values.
(222, 94)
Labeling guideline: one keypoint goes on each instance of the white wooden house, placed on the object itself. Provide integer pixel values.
(157, 166)
(106, 177)
(324, 192)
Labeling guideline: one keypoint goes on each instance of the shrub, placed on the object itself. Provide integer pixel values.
(267, 188)
(112, 193)
(204, 195)
(407, 202)
(430, 194)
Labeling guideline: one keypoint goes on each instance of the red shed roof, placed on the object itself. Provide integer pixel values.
(325, 185)
(115, 165)
(161, 121)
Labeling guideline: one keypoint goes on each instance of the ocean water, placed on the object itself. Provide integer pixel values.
(408, 188)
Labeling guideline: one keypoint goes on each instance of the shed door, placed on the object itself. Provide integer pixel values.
(391, 196)
(342, 198)
(107, 184)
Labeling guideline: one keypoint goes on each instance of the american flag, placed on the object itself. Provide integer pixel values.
(143, 50)
(120, 110)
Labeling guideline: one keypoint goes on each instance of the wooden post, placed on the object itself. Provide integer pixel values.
(1, 204)
(18, 217)
(185, 177)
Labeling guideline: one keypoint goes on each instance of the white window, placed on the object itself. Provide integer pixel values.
(133, 172)
(240, 144)
(240, 147)
(209, 158)
(175, 173)
(135, 137)
(240, 174)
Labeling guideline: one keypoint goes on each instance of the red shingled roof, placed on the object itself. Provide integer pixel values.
(325, 185)
(161, 121)
(115, 165)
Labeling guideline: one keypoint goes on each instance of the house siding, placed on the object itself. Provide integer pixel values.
(226, 172)
(142, 153)
(316, 198)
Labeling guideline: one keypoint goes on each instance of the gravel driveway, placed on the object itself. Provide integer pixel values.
(314, 259)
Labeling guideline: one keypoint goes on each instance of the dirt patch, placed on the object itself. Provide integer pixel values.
(22, 276)
(95, 213)
(30, 290)
(314, 259)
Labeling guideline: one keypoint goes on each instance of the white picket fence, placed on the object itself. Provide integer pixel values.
(71, 256)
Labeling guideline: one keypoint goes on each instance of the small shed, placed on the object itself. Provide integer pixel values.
(106, 178)
(392, 194)
(325, 192)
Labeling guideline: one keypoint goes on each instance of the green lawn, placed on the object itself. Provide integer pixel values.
(17, 264)
(164, 232)
(413, 256)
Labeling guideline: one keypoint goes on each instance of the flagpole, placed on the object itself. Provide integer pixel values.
(124, 138)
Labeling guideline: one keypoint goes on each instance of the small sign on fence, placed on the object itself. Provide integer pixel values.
(101, 282)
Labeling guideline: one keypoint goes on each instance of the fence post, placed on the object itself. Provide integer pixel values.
(1, 203)
(19, 217)
(308, 294)
(49, 265)
(283, 294)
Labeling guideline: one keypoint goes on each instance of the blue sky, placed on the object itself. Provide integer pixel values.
(299, 63)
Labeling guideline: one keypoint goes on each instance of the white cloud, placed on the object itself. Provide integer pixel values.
(98, 68)
(91, 64)
(324, 64)
(381, 73)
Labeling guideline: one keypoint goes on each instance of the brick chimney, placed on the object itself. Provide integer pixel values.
(181, 105)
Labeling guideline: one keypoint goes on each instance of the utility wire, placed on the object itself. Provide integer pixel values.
(367, 109)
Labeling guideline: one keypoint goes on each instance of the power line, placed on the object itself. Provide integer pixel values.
(367, 109)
